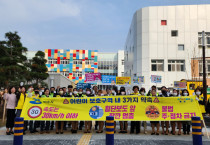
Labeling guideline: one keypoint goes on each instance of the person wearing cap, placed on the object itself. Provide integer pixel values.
(135, 124)
(164, 93)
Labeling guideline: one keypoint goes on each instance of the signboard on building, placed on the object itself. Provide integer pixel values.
(138, 80)
(93, 77)
(83, 85)
(156, 79)
(123, 80)
(179, 84)
(108, 80)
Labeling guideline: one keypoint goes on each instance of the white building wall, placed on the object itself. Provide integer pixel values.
(151, 40)
(120, 57)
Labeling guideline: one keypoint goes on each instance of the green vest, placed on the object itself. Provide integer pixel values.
(44, 96)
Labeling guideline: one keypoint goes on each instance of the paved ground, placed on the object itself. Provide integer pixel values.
(99, 139)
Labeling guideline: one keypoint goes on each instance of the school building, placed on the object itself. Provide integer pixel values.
(74, 64)
(162, 40)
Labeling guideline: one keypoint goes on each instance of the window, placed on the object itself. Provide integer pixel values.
(157, 65)
(181, 47)
(176, 65)
(207, 68)
(123, 62)
(192, 86)
(65, 73)
(163, 22)
(89, 62)
(52, 61)
(77, 61)
(77, 74)
(207, 39)
(174, 33)
(64, 61)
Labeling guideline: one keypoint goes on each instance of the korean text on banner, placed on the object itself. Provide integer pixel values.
(123, 80)
(93, 77)
(179, 84)
(156, 79)
(133, 108)
(108, 80)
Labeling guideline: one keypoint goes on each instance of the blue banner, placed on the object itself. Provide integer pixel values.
(83, 85)
(108, 80)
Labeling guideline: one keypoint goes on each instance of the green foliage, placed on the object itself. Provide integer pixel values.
(12, 68)
(38, 67)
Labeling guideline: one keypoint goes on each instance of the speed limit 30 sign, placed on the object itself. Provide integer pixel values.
(34, 111)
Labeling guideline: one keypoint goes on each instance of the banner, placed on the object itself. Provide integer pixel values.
(123, 108)
(138, 80)
(156, 79)
(108, 80)
(93, 77)
(179, 84)
(123, 80)
(83, 86)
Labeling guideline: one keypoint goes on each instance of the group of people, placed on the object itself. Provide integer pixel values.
(15, 100)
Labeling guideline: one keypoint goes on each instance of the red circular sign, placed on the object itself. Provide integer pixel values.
(34, 112)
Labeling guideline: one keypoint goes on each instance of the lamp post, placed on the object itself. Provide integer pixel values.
(204, 68)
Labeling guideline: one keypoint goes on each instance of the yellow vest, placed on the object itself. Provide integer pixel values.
(21, 101)
(202, 107)
(135, 93)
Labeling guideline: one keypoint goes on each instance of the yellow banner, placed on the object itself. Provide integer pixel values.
(133, 108)
(123, 80)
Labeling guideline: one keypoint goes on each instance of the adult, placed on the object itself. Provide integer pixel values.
(154, 123)
(45, 124)
(135, 124)
(186, 124)
(164, 93)
(11, 102)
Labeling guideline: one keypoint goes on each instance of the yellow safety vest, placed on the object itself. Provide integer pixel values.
(202, 107)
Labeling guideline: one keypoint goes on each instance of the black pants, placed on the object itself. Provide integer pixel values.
(10, 118)
(45, 126)
(81, 124)
(186, 127)
(52, 124)
(64, 126)
(33, 125)
(135, 125)
(96, 125)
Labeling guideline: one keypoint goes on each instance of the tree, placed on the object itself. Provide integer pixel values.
(12, 68)
(38, 68)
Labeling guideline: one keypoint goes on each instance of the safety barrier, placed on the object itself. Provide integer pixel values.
(109, 130)
(196, 131)
(18, 132)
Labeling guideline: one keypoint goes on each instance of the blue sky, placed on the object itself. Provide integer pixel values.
(74, 24)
